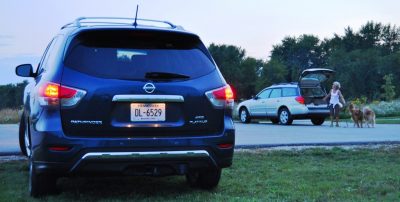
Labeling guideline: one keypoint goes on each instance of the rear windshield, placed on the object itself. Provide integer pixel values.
(132, 55)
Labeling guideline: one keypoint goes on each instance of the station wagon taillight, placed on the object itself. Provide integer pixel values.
(52, 94)
(300, 99)
(221, 97)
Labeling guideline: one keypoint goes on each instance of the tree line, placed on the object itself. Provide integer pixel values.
(11, 95)
(366, 61)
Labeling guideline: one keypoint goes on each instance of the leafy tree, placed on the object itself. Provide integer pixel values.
(298, 54)
(11, 95)
(238, 70)
(388, 88)
(370, 35)
(228, 59)
(248, 77)
(272, 72)
(390, 38)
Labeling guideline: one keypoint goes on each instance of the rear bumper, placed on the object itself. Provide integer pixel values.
(305, 112)
(131, 156)
(312, 113)
(151, 163)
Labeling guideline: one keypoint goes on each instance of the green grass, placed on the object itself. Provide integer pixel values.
(388, 121)
(306, 175)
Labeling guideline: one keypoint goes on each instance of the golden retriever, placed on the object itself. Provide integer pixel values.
(369, 116)
(356, 115)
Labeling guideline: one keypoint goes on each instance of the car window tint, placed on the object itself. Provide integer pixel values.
(264, 94)
(277, 92)
(289, 92)
(45, 55)
(130, 56)
(53, 58)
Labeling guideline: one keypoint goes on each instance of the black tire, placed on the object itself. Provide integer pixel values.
(22, 128)
(244, 115)
(318, 121)
(274, 120)
(207, 179)
(285, 118)
(40, 184)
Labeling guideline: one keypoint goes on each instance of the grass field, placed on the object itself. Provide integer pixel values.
(306, 175)
(388, 120)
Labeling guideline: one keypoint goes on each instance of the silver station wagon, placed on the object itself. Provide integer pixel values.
(282, 103)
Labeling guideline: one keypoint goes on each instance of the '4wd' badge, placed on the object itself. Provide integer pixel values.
(199, 120)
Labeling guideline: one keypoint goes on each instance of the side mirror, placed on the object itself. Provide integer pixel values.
(254, 97)
(25, 70)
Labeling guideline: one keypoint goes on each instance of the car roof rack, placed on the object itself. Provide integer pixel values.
(285, 83)
(85, 21)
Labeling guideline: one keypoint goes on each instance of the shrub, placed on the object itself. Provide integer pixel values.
(384, 108)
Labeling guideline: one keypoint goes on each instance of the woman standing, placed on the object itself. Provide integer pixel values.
(336, 102)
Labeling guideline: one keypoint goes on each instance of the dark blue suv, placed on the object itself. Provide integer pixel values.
(110, 96)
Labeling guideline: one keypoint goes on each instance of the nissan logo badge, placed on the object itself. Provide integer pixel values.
(149, 88)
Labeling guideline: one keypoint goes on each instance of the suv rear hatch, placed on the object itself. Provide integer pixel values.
(140, 83)
(310, 86)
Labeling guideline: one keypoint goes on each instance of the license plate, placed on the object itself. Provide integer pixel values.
(148, 112)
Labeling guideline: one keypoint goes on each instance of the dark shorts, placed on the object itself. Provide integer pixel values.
(334, 110)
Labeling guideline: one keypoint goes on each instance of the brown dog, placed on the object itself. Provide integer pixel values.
(356, 115)
(369, 116)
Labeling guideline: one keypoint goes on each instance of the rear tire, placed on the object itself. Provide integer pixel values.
(244, 115)
(285, 118)
(318, 121)
(40, 184)
(207, 179)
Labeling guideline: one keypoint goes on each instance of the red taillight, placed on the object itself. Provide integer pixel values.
(59, 148)
(66, 92)
(224, 93)
(221, 97)
(52, 90)
(300, 99)
(52, 93)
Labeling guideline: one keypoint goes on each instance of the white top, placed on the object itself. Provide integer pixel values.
(335, 98)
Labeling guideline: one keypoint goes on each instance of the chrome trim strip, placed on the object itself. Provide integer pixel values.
(148, 98)
(143, 155)
(146, 155)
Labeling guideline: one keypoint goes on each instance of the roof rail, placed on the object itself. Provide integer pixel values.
(285, 83)
(81, 21)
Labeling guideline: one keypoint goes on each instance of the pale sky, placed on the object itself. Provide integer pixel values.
(26, 26)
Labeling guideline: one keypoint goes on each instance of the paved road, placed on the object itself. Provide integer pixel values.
(303, 132)
(9, 138)
(264, 133)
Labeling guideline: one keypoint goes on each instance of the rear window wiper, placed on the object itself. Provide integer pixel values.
(165, 76)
